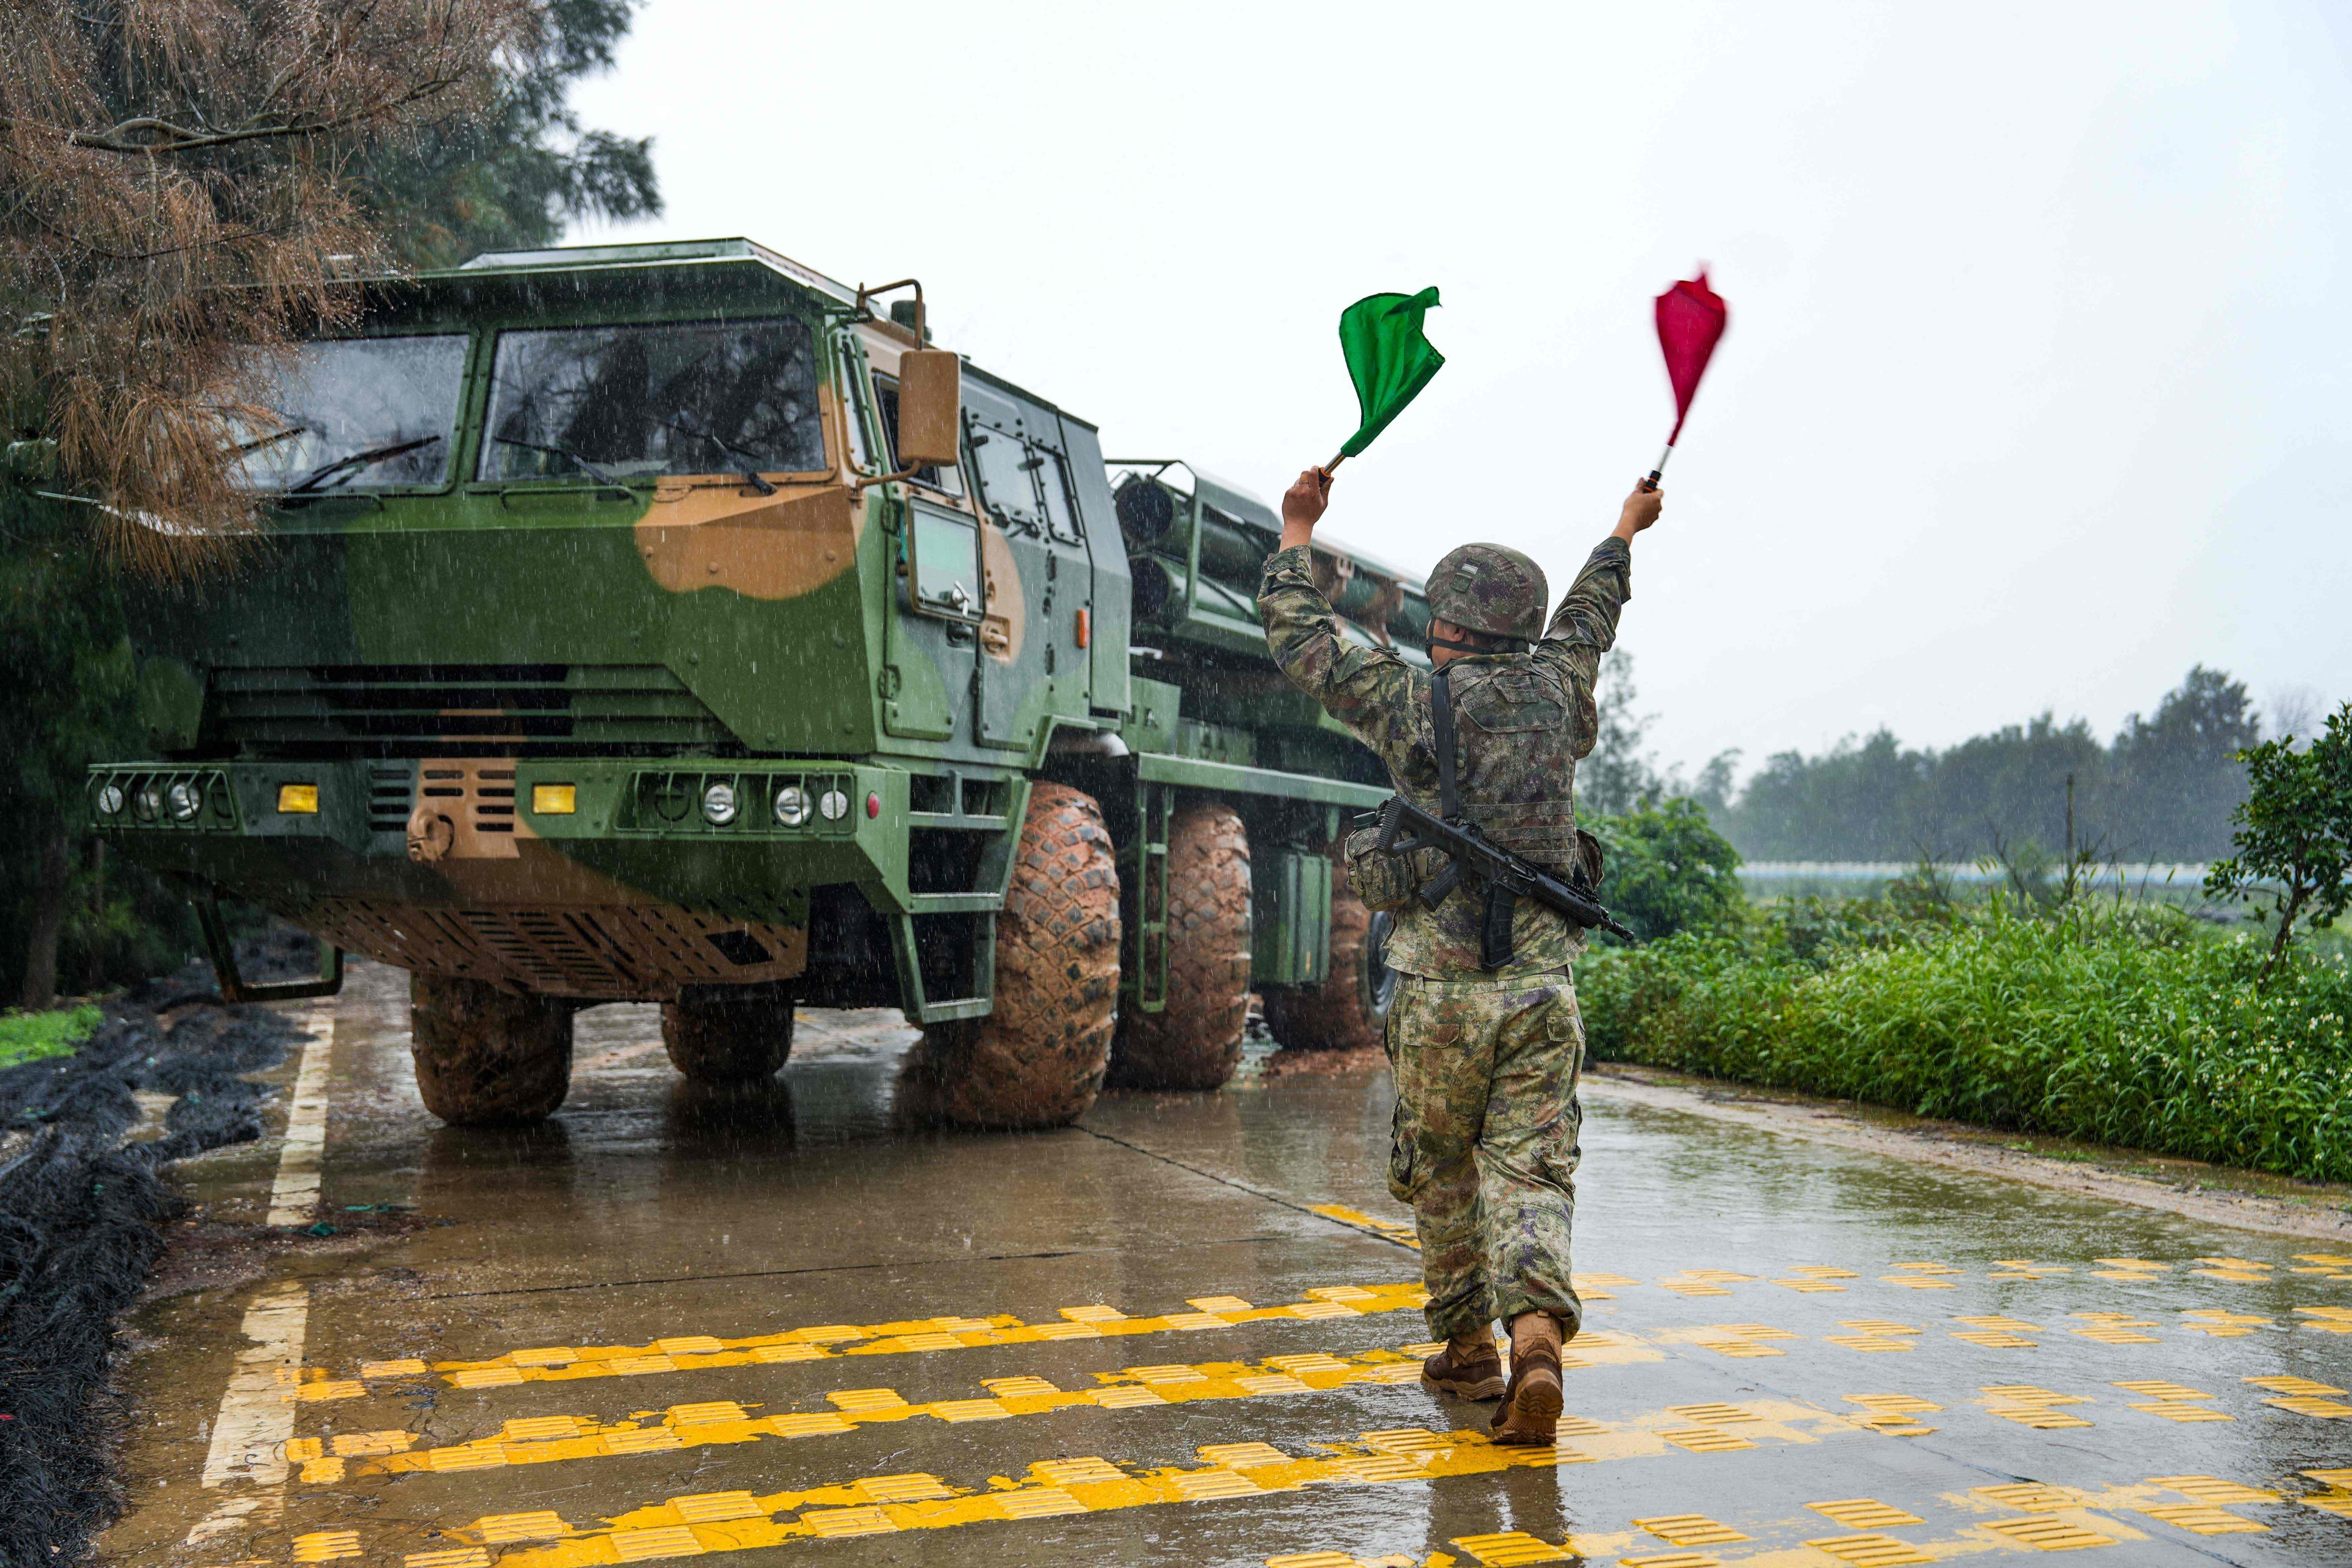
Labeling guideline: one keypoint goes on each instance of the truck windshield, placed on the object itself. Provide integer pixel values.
(357, 414)
(671, 398)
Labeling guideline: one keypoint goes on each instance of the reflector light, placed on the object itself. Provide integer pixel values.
(554, 800)
(298, 798)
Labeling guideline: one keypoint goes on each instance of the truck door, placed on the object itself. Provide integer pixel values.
(1035, 568)
(933, 631)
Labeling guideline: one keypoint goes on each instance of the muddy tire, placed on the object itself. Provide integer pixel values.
(485, 1058)
(1350, 1011)
(729, 1034)
(1196, 1041)
(1037, 1060)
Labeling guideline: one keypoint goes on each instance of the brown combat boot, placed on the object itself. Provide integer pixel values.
(1530, 1413)
(1469, 1367)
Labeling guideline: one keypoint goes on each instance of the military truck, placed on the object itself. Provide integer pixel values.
(675, 624)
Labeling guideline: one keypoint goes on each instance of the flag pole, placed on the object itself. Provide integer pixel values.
(1655, 474)
(1332, 466)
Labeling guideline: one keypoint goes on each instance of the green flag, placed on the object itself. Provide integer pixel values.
(1387, 358)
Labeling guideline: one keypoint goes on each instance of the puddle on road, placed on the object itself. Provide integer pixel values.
(685, 1322)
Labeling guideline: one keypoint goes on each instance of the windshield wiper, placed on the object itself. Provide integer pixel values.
(363, 460)
(577, 461)
(749, 472)
(258, 442)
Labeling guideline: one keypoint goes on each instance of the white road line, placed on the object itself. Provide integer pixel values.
(257, 1412)
(294, 1200)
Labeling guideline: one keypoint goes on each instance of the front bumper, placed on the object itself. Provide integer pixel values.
(473, 866)
(650, 825)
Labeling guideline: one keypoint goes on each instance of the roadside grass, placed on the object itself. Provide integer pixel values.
(2109, 1023)
(55, 1032)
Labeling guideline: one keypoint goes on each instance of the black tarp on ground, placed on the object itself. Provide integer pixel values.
(78, 1212)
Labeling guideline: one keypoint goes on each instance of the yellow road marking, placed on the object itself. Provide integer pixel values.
(1865, 1514)
(2203, 1518)
(2046, 1534)
(1510, 1549)
(1055, 1487)
(1869, 1551)
(549, 1438)
(1401, 1232)
(2212, 1489)
(741, 1520)
(696, 1352)
(1690, 1529)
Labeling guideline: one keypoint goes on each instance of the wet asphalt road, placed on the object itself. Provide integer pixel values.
(677, 1323)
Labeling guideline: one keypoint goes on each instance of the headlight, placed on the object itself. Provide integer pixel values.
(110, 800)
(149, 803)
(719, 804)
(834, 805)
(186, 800)
(792, 806)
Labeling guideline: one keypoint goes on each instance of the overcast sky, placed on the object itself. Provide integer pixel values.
(2034, 394)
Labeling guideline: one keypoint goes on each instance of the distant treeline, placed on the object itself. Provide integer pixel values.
(2161, 790)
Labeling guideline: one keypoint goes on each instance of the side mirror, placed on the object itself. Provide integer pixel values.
(931, 407)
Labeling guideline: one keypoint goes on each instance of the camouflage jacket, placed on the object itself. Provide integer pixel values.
(1385, 701)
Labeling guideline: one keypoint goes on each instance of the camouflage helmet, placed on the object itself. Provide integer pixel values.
(1489, 589)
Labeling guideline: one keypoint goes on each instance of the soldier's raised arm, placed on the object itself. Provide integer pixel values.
(1585, 626)
(1366, 688)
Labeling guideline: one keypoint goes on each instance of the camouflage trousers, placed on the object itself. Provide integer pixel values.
(1485, 1145)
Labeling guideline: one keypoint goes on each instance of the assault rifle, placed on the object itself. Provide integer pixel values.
(1405, 827)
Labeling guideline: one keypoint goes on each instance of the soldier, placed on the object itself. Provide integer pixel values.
(1484, 1060)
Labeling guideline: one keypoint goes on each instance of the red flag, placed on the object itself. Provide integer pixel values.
(1691, 319)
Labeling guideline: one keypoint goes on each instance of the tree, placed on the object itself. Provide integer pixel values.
(1617, 776)
(510, 178)
(2163, 790)
(69, 665)
(2294, 830)
(2178, 778)
(178, 206)
(1666, 870)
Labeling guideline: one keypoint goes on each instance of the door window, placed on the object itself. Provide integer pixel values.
(947, 480)
(1007, 477)
(944, 570)
(1053, 480)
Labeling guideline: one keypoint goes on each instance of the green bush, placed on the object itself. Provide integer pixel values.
(2115, 1026)
(55, 1032)
(1668, 870)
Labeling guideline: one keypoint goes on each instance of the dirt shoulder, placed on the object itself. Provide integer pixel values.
(2249, 1200)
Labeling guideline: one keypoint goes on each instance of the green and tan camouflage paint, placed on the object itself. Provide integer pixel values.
(688, 626)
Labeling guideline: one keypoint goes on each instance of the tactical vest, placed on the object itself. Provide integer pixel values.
(1514, 774)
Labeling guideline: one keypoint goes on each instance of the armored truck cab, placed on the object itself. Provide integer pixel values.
(668, 623)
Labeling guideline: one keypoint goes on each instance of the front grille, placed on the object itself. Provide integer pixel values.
(388, 792)
(423, 710)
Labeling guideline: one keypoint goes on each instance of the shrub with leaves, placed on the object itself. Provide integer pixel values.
(2119, 1025)
(2294, 831)
(1668, 870)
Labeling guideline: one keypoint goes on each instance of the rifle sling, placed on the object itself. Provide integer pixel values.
(1494, 920)
(1440, 701)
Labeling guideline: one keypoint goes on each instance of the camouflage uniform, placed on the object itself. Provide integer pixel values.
(1485, 1060)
